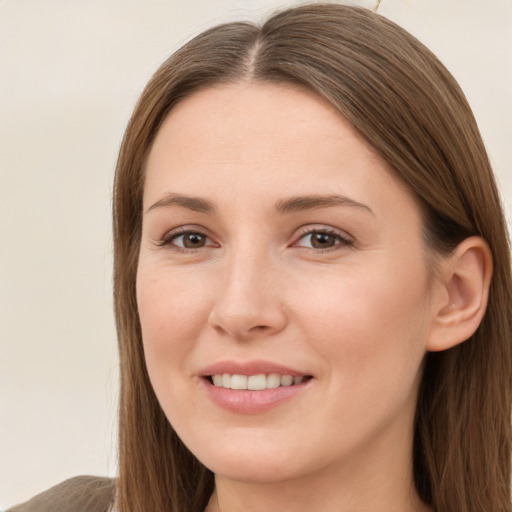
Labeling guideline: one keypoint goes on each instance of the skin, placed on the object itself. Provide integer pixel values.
(355, 314)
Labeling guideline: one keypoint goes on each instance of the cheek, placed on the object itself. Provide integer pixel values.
(172, 312)
(171, 315)
(168, 302)
(371, 325)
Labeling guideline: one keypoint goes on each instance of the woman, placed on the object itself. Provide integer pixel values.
(312, 278)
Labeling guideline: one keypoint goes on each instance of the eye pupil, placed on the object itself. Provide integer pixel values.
(193, 240)
(322, 240)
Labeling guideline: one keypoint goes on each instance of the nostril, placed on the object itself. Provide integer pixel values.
(246, 316)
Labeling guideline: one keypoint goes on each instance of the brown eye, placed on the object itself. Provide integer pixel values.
(323, 240)
(190, 240)
(194, 240)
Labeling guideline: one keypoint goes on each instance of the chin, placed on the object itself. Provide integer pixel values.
(255, 471)
(256, 462)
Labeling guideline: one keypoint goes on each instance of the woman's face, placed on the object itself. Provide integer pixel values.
(276, 248)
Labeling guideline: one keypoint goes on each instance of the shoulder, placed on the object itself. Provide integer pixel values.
(78, 494)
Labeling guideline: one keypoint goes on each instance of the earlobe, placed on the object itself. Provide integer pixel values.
(464, 280)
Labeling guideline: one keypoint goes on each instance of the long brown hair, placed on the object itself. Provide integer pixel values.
(398, 95)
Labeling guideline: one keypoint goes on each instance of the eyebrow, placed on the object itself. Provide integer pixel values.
(301, 203)
(290, 205)
(195, 204)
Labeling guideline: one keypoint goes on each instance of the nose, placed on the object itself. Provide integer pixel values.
(248, 301)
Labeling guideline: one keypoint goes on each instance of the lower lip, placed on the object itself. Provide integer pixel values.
(252, 402)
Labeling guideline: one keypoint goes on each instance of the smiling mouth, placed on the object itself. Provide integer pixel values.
(255, 382)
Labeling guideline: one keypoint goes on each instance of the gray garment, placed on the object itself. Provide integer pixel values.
(78, 494)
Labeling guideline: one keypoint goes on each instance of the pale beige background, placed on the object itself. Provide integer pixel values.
(70, 72)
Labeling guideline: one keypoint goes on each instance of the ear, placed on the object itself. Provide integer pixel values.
(460, 301)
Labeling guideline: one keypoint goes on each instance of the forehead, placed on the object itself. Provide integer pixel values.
(277, 139)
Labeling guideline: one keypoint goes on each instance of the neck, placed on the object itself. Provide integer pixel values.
(232, 496)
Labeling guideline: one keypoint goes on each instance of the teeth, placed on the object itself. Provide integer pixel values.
(257, 382)
(238, 382)
(226, 381)
(254, 382)
(286, 380)
(273, 380)
(217, 380)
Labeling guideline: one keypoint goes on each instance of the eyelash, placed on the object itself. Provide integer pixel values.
(342, 240)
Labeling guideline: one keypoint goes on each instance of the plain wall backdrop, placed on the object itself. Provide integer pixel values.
(70, 73)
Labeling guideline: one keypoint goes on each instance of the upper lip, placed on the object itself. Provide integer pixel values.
(253, 367)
